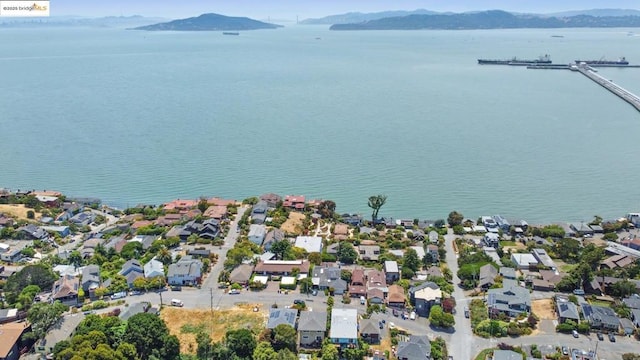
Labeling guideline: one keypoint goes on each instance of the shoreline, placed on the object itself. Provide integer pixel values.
(364, 211)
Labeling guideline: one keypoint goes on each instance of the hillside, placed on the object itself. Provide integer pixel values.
(210, 22)
(493, 19)
(357, 17)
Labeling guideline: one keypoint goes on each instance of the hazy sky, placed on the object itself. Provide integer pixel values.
(289, 9)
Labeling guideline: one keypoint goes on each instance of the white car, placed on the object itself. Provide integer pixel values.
(392, 325)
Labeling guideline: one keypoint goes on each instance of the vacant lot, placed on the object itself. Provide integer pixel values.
(186, 323)
(544, 309)
(293, 225)
(16, 210)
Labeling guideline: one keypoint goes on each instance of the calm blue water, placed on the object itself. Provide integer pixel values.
(139, 117)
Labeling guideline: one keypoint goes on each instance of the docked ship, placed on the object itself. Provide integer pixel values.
(602, 62)
(546, 59)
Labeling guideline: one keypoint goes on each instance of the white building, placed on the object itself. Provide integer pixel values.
(309, 243)
(524, 260)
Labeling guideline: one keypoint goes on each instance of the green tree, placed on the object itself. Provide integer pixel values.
(592, 255)
(31, 215)
(241, 342)
(411, 260)
(327, 209)
(623, 288)
(280, 248)
(205, 345)
(439, 318)
(376, 202)
(315, 258)
(150, 336)
(264, 351)
(132, 250)
(346, 253)
(305, 285)
(203, 204)
(43, 316)
(567, 249)
(345, 275)
(286, 354)
(284, 337)
(455, 218)
(40, 275)
(329, 351)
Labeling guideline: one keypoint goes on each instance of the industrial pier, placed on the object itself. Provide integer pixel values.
(589, 72)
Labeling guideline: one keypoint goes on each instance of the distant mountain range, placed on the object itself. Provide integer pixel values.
(210, 22)
(356, 17)
(106, 22)
(493, 19)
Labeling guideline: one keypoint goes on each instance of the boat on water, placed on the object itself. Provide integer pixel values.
(602, 62)
(546, 59)
(230, 33)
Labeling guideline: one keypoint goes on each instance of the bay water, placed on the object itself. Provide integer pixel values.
(145, 117)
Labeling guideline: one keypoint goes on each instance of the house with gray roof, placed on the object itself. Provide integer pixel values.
(600, 317)
(241, 274)
(312, 328)
(370, 331)
(633, 301)
(369, 252)
(510, 300)
(282, 316)
(506, 355)
(508, 273)
(259, 212)
(433, 237)
(132, 270)
(487, 276)
(90, 278)
(344, 327)
(566, 310)
(417, 348)
(187, 271)
(257, 233)
(325, 277)
(635, 317)
(134, 309)
(34, 232)
(271, 237)
(62, 330)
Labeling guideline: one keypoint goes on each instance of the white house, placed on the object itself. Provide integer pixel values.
(257, 233)
(524, 260)
(309, 243)
(153, 268)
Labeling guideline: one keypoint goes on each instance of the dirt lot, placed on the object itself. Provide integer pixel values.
(293, 224)
(544, 309)
(16, 210)
(185, 323)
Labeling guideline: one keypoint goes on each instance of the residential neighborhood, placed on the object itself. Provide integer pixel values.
(382, 288)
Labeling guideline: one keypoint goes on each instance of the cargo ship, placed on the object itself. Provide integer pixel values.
(516, 62)
(620, 62)
(230, 33)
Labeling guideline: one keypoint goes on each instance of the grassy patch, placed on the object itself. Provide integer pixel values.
(484, 353)
(186, 323)
(567, 267)
(507, 243)
(599, 302)
(18, 210)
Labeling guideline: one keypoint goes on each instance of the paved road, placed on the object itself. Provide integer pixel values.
(462, 342)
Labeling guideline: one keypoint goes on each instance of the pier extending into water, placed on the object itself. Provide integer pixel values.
(588, 71)
(621, 92)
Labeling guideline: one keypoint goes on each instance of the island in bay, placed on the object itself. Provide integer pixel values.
(210, 22)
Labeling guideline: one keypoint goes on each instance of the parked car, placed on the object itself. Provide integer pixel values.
(466, 312)
(612, 337)
(177, 302)
(600, 337)
(396, 313)
(314, 292)
(565, 350)
(412, 316)
(578, 292)
(575, 333)
(234, 292)
(119, 295)
(176, 288)
(298, 302)
(392, 325)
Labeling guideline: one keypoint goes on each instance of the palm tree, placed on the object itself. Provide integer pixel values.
(164, 256)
